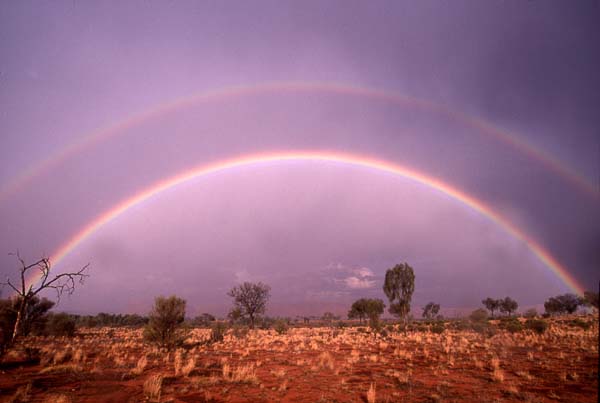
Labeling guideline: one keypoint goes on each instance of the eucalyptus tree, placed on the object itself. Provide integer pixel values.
(399, 286)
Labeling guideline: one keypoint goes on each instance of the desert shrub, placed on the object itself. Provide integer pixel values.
(165, 324)
(217, 333)
(460, 325)
(383, 332)
(483, 328)
(265, 323)
(361, 330)
(580, 323)
(7, 321)
(531, 313)
(375, 324)
(514, 326)
(478, 327)
(390, 328)
(239, 331)
(280, 326)
(205, 320)
(537, 325)
(60, 324)
(438, 328)
(479, 315)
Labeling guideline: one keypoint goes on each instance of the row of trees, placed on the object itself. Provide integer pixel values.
(168, 314)
(27, 312)
(399, 286)
(507, 305)
(569, 303)
(560, 304)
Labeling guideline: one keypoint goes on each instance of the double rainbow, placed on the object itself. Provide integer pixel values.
(356, 160)
(482, 126)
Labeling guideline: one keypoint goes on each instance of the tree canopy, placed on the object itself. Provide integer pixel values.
(560, 304)
(165, 321)
(250, 299)
(399, 286)
(431, 310)
(366, 308)
(491, 304)
(508, 306)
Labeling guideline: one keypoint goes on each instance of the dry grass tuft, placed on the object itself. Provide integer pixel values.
(140, 366)
(21, 394)
(498, 375)
(371, 394)
(61, 369)
(153, 387)
(326, 361)
(241, 374)
(187, 369)
(60, 357)
(58, 398)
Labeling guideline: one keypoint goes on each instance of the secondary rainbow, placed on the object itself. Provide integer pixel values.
(480, 125)
(343, 158)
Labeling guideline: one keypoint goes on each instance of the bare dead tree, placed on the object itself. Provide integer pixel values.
(60, 283)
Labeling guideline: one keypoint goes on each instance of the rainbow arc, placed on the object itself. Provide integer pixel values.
(120, 128)
(318, 156)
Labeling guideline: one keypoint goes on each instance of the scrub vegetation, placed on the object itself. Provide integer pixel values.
(249, 357)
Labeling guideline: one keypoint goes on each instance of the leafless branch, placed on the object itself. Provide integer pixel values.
(61, 283)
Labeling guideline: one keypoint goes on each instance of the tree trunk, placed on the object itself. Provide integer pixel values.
(20, 313)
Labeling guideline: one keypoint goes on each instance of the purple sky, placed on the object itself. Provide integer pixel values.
(321, 234)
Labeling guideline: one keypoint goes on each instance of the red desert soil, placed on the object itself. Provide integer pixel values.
(309, 365)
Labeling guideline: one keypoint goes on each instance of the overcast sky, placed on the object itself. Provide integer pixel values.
(505, 99)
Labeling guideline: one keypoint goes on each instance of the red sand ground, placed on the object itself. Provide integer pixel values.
(311, 365)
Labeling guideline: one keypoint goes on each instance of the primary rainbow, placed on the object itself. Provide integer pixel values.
(121, 127)
(356, 160)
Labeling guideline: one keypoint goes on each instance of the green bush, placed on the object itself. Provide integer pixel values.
(580, 323)
(438, 328)
(60, 324)
(537, 325)
(217, 332)
(165, 324)
(280, 326)
(460, 325)
(375, 324)
(479, 315)
(478, 327)
(240, 331)
(483, 328)
(514, 326)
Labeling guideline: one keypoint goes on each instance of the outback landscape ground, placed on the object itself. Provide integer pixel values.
(311, 364)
